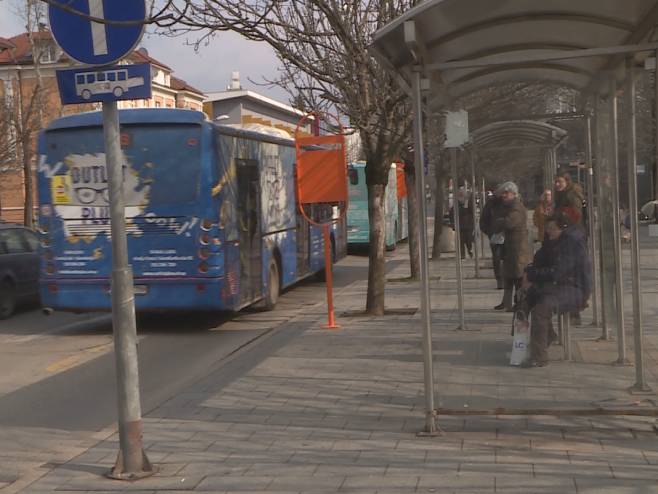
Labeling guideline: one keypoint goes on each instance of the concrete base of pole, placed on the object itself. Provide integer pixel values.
(431, 427)
(133, 465)
(622, 362)
(639, 389)
(118, 471)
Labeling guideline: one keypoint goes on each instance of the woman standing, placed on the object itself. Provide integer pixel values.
(543, 212)
(513, 223)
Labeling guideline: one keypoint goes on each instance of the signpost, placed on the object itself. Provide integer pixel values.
(99, 34)
(457, 136)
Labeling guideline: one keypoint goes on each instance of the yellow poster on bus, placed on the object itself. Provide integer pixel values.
(61, 188)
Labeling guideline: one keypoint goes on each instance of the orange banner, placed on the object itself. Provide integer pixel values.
(322, 176)
(402, 183)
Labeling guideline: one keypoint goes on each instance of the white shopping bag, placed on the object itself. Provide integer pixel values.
(521, 340)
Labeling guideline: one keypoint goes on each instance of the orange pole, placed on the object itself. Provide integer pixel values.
(329, 278)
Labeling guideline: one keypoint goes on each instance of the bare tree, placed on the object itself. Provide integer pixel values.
(323, 48)
(23, 106)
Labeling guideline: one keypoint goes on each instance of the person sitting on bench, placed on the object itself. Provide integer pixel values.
(559, 279)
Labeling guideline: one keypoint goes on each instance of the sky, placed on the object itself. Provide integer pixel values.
(208, 69)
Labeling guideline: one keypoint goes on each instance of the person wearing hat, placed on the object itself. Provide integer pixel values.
(513, 222)
(559, 279)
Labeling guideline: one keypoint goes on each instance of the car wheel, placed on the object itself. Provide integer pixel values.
(7, 299)
(118, 91)
(273, 286)
(86, 94)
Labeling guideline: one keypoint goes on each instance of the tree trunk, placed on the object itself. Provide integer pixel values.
(28, 212)
(438, 214)
(412, 221)
(375, 299)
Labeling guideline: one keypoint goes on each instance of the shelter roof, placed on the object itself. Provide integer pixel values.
(497, 42)
(526, 131)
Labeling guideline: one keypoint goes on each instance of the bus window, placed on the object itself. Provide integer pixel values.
(122, 75)
(112, 76)
(100, 76)
(90, 79)
(353, 174)
(79, 79)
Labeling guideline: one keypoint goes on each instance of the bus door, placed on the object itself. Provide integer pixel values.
(250, 230)
(303, 246)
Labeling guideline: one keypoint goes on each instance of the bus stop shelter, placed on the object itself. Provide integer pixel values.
(457, 47)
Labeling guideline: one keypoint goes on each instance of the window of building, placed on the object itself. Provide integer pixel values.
(47, 53)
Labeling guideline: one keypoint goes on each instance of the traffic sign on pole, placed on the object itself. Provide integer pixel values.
(94, 42)
(99, 33)
(99, 84)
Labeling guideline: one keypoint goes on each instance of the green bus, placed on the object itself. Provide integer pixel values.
(395, 207)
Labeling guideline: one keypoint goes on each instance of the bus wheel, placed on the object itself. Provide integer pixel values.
(273, 286)
(118, 91)
(7, 299)
(86, 94)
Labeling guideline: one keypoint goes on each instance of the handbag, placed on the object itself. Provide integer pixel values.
(520, 339)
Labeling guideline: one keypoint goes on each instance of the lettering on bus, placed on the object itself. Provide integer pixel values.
(80, 194)
(163, 258)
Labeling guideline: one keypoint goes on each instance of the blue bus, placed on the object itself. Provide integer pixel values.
(395, 208)
(211, 214)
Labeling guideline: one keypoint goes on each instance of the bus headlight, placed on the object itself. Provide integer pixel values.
(204, 253)
(203, 267)
(204, 239)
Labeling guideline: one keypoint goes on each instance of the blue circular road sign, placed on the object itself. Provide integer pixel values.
(97, 43)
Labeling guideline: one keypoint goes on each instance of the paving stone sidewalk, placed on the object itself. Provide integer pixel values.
(309, 410)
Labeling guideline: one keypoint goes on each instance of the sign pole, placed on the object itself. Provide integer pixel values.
(329, 277)
(132, 462)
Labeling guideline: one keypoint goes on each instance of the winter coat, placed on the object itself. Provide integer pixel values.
(539, 218)
(564, 263)
(466, 221)
(570, 198)
(492, 210)
(514, 223)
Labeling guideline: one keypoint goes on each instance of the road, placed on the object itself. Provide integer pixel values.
(57, 380)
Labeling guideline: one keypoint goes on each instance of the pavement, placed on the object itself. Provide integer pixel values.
(311, 410)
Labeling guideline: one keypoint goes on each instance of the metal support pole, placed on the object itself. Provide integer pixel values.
(592, 221)
(655, 176)
(476, 222)
(458, 248)
(329, 277)
(483, 190)
(640, 379)
(419, 159)
(132, 462)
(619, 279)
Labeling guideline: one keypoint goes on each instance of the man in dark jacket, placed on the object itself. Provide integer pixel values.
(514, 224)
(557, 280)
(466, 222)
(492, 210)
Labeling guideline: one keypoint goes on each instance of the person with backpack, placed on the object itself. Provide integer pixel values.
(559, 279)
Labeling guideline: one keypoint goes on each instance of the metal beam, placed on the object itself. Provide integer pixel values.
(553, 55)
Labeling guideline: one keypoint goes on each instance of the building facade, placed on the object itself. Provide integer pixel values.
(237, 106)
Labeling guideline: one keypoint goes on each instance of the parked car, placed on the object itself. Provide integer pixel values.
(19, 267)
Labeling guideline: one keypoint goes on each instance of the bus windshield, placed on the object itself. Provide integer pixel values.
(162, 165)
